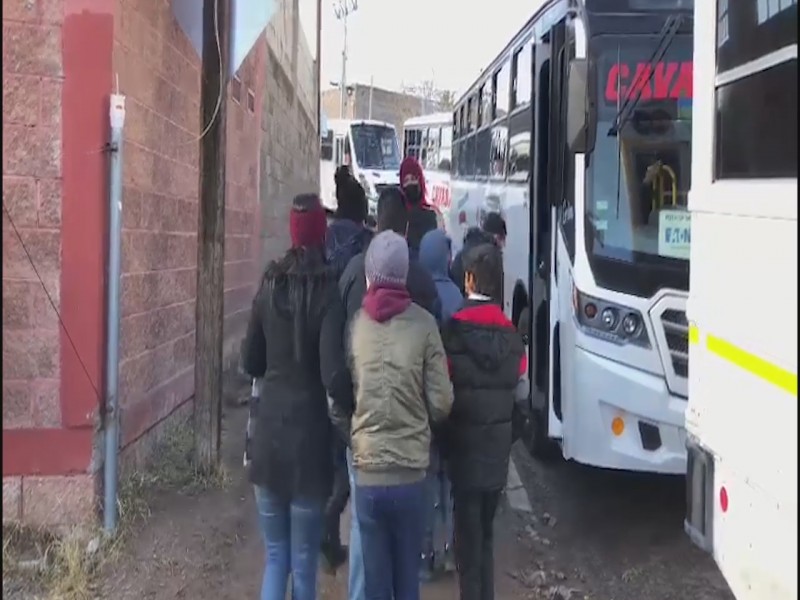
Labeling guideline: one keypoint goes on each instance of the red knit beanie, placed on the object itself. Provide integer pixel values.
(307, 227)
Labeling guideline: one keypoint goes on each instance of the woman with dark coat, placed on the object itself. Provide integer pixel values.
(291, 466)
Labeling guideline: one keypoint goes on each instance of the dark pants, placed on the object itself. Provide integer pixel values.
(391, 520)
(339, 495)
(474, 537)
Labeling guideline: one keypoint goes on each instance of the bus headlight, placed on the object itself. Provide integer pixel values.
(609, 318)
(630, 324)
(609, 321)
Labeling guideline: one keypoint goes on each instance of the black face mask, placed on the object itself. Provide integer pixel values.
(413, 193)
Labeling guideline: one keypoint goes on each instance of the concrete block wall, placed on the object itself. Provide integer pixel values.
(159, 74)
(60, 62)
(47, 440)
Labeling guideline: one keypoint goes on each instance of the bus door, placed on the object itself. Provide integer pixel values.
(540, 252)
(555, 186)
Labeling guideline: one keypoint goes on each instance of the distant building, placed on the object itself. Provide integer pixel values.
(388, 106)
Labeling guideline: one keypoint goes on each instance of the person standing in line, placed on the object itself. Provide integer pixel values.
(492, 230)
(435, 255)
(487, 359)
(392, 216)
(402, 389)
(421, 216)
(346, 237)
(291, 467)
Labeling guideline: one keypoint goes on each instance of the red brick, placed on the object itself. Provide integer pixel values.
(50, 196)
(20, 10)
(52, 11)
(143, 291)
(148, 330)
(19, 198)
(20, 98)
(44, 247)
(26, 306)
(34, 151)
(59, 501)
(31, 404)
(12, 486)
(32, 49)
(142, 373)
(30, 354)
(50, 103)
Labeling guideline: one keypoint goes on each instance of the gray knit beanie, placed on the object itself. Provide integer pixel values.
(387, 260)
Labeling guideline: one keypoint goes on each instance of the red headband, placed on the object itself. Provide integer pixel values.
(307, 228)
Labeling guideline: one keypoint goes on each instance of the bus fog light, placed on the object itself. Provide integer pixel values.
(630, 324)
(609, 318)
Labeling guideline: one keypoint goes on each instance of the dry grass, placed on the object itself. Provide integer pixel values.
(39, 564)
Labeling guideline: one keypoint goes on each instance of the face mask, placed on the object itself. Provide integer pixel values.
(413, 193)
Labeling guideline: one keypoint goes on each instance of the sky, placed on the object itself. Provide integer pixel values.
(405, 42)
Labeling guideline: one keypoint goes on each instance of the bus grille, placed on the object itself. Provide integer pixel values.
(676, 332)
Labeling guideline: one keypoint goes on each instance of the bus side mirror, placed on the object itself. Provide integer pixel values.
(577, 105)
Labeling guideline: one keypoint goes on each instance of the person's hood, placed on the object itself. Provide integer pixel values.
(487, 334)
(382, 302)
(434, 252)
(410, 165)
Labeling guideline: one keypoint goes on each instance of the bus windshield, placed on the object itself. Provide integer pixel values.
(375, 147)
(638, 181)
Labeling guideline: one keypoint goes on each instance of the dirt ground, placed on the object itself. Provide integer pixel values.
(207, 546)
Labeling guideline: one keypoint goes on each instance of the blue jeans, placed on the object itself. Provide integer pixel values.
(292, 535)
(355, 566)
(438, 540)
(392, 523)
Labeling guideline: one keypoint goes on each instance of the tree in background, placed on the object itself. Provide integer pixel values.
(433, 99)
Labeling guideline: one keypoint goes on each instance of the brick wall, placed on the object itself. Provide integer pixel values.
(50, 374)
(159, 73)
(290, 148)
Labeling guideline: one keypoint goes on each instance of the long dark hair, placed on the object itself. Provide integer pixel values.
(296, 285)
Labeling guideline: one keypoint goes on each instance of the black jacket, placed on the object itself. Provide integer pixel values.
(474, 237)
(291, 441)
(421, 220)
(486, 358)
(336, 326)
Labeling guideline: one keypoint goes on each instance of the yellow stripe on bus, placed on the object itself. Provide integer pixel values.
(778, 376)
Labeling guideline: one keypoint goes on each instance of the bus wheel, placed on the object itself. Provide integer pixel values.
(538, 444)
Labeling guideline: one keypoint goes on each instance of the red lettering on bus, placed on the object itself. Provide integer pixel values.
(669, 80)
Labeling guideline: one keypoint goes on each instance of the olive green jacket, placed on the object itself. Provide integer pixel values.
(402, 386)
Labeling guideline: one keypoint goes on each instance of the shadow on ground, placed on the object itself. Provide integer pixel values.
(206, 546)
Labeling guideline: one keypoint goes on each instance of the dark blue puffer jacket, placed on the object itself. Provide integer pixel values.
(345, 239)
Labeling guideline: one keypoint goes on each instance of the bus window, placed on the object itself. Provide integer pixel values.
(470, 115)
(523, 71)
(326, 146)
(502, 88)
(486, 106)
(339, 148)
(498, 147)
(348, 160)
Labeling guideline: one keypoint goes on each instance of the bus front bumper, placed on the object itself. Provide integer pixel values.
(625, 418)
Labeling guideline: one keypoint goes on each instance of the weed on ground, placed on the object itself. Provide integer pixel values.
(43, 565)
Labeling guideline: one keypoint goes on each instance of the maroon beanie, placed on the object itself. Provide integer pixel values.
(307, 227)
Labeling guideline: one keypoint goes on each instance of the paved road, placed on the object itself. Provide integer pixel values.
(613, 535)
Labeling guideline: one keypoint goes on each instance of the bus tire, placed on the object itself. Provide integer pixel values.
(538, 444)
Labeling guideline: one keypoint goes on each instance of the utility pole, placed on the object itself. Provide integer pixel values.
(342, 9)
(371, 85)
(319, 67)
(211, 234)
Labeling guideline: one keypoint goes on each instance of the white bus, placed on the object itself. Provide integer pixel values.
(371, 150)
(579, 134)
(742, 415)
(429, 139)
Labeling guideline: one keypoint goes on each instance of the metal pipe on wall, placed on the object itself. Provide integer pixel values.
(117, 119)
